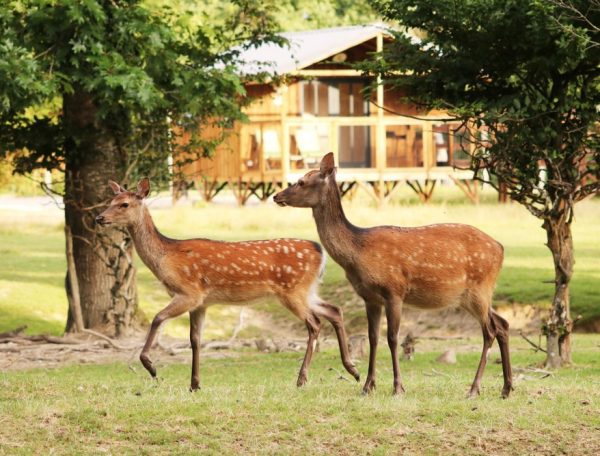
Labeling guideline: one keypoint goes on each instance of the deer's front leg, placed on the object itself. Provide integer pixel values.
(196, 323)
(393, 311)
(374, 320)
(178, 305)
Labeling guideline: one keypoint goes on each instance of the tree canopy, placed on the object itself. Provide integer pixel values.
(142, 66)
(95, 88)
(524, 75)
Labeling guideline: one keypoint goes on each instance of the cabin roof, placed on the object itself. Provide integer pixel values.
(305, 48)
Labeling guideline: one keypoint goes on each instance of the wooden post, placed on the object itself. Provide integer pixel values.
(285, 139)
(428, 153)
(380, 143)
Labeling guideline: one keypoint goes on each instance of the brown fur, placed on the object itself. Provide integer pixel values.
(430, 267)
(200, 272)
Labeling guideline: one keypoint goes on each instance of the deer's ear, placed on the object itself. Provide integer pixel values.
(116, 187)
(143, 188)
(327, 165)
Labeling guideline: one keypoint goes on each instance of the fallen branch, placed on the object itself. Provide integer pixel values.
(42, 338)
(116, 345)
(436, 373)
(534, 370)
(13, 333)
(16, 335)
(340, 376)
(533, 344)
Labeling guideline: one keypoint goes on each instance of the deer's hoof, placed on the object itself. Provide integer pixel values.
(369, 387)
(148, 365)
(398, 390)
(506, 391)
(354, 372)
(473, 393)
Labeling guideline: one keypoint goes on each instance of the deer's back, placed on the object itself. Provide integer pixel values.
(231, 272)
(430, 266)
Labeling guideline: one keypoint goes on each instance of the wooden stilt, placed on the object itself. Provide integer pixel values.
(469, 187)
(264, 190)
(241, 190)
(210, 188)
(346, 188)
(425, 191)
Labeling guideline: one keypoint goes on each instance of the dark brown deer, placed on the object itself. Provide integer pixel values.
(200, 272)
(430, 267)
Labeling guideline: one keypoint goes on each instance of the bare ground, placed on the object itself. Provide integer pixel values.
(453, 324)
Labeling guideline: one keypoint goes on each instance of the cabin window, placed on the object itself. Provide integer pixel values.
(449, 141)
(404, 146)
(333, 97)
(308, 144)
(356, 145)
(460, 143)
(441, 145)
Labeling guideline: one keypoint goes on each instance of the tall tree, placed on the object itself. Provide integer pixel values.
(524, 74)
(94, 88)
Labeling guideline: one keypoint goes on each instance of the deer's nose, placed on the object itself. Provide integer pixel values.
(100, 219)
(279, 199)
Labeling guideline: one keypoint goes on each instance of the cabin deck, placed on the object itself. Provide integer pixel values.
(379, 141)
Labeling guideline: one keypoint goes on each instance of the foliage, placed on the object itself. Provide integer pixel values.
(535, 99)
(524, 76)
(96, 88)
(313, 14)
(150, 64)
(146, 69)
(290, 15)
(248, 404)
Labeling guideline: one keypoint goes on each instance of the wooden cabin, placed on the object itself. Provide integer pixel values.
(379, 143)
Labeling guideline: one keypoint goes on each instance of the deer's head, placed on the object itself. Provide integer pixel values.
(126, 207)
(311, 189)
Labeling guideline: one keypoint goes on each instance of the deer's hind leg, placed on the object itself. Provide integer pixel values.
(492, 326)
(489, 335)
(501, 326)
(178, 305)
(334, 315)
(299, 307)
(313, 324)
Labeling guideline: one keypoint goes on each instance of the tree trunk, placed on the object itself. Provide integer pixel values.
(559, 325)
(103, 256)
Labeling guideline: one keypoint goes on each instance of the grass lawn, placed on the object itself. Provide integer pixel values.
(249, 404)
(33, 265)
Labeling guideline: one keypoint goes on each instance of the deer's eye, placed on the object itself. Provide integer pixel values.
(124, 205)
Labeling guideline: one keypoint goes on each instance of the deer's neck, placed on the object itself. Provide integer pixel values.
(339, 237)
(149, 243)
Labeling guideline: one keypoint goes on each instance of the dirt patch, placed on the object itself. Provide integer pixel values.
(275, 336)
(17, 355)
(456, 322)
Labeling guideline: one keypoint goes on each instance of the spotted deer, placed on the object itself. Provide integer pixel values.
(429, 267)
(198, 273)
